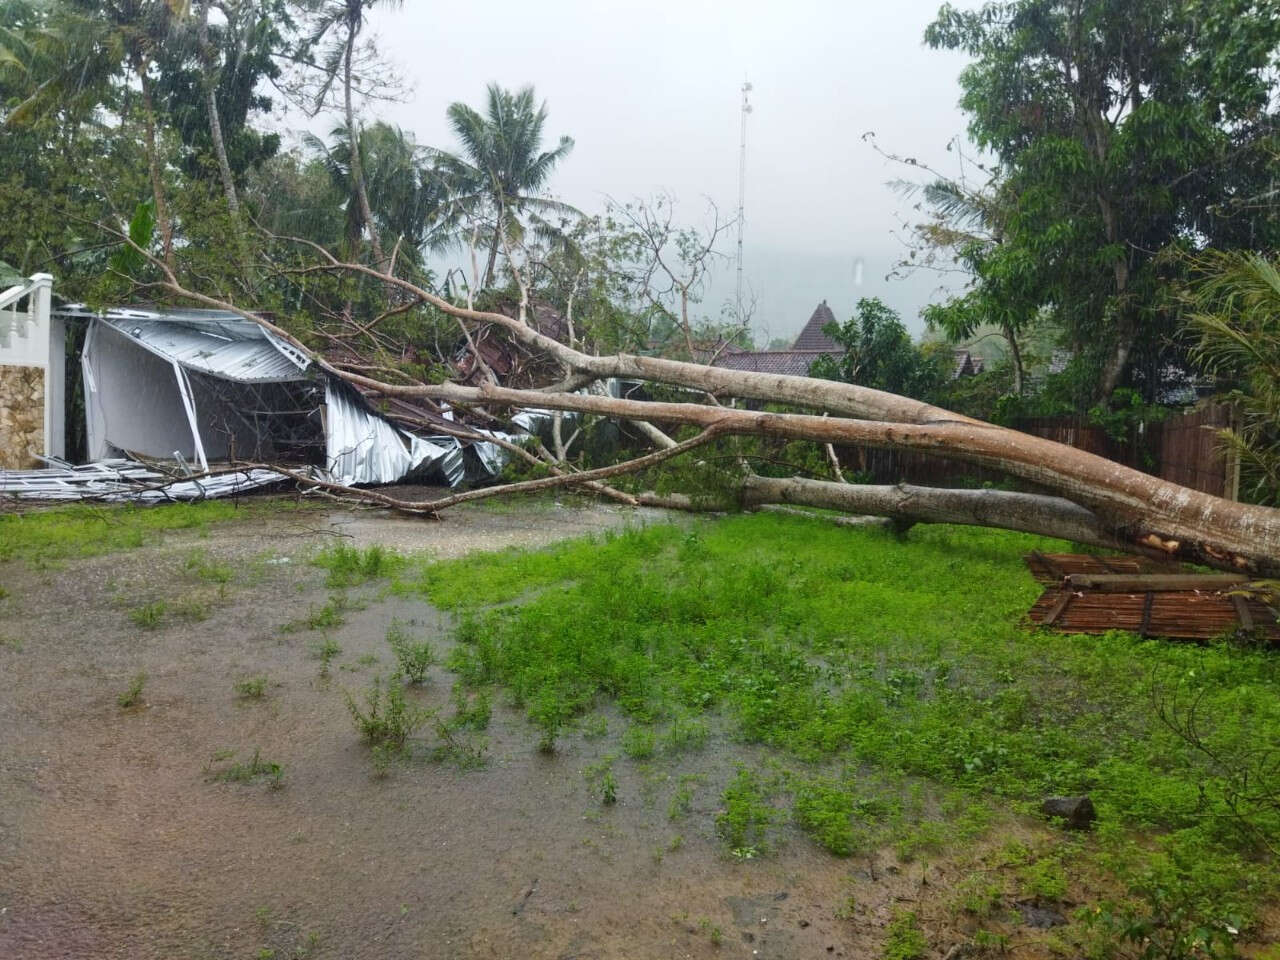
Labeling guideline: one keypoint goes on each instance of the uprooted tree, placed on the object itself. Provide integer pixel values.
(1086, 498)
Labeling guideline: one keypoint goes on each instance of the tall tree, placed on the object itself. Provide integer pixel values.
(1123, 129)
(335, 33)
(501, 167)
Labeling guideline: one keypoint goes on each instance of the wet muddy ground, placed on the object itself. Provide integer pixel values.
(118, 839)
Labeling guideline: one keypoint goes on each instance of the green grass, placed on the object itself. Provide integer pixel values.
(251, 688)
(905, 659)
(149, 615)
(45, 537)
(131, 696)
(255, 770)
(350, 566)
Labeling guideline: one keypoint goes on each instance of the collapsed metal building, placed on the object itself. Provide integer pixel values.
(195, 388)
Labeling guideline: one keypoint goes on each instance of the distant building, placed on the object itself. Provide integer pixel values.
(811, 343)
(967, 364)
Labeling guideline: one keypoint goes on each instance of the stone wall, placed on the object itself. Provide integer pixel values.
(21, 416)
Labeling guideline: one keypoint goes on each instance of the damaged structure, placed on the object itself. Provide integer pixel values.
(196, 388)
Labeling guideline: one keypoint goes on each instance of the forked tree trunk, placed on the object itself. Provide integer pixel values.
(1133, 509)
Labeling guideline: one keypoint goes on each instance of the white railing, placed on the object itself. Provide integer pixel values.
(24, 334)
(33, 337)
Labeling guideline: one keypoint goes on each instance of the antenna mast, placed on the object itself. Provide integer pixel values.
(742, 188)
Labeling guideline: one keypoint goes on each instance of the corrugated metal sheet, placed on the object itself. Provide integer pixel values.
(210, 341)
(363, 448)
(223, 352)
(119, 480)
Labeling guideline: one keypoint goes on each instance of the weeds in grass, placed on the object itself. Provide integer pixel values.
(639, 743)
(13, 643)
(382, 755)
(201, 567)
(745, 816)
(415, 657)
(470, 713)
(255, 770)
(132, 694)
(681, 802)
(349, 566)
(905, 659)
(824, 809)
(251, 688)
(684, 734)
(192, 609)
(601, 780)
(595, 727)
(329, 615)
(459, 744)
(905, 940)
(385, 717)
(1045, 879)
(148, 615)
(324, 651)
(978, 895)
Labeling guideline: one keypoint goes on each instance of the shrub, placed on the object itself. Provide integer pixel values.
(905, 940)
(385, 717)
(415, 658)
(743, 822)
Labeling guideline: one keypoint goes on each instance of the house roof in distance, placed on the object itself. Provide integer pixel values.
(812, 337)
(795, 363)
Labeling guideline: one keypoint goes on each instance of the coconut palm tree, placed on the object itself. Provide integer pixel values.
(407, 201)
(501, 168)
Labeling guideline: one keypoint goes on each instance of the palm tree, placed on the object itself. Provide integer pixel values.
(335, 29)
(501, 168)
(1235, 304)
(406, 199)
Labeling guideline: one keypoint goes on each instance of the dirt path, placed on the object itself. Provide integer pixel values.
(117, 840)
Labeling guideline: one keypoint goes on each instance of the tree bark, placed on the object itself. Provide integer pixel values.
(153, 167)
(1015, 357)
(357, 166)
(215, 123)
(1025, 512)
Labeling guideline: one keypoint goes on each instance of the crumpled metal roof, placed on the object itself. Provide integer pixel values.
(210, 341)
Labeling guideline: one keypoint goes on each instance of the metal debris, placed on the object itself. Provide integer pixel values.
(1199, 614)
(120, 480)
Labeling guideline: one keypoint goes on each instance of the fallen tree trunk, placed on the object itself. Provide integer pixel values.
(1024, 512)
(1142, 512)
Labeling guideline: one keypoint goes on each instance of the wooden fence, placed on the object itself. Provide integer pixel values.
(1184, 449)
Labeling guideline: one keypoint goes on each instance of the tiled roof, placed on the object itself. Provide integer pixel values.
(812, 337)
(792, 362)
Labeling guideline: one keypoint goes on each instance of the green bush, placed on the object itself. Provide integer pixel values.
(415, 657)
(385, 717)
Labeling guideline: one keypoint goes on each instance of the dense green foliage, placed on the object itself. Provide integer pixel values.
(1237, 319)
(880, 353)
(1122, 131)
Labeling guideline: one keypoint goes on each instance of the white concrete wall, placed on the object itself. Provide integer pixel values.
(32, 337)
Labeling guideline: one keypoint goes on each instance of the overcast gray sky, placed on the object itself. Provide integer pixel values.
(650, 92)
